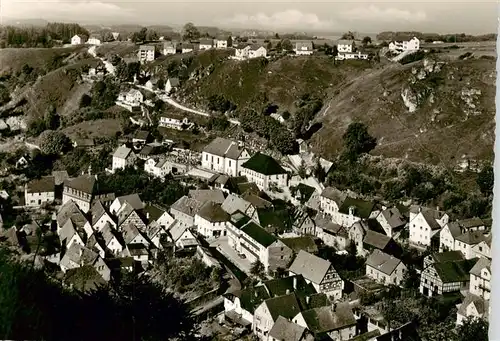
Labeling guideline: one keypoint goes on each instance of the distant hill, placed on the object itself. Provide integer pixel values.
(24, 22)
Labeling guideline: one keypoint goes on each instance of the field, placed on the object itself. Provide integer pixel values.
(487, 48)
(93, 129)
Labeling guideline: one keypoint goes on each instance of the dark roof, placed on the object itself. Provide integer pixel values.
(263, 164)
(449, 256)
(247, 187)
(324, 319)
(333, 194)
(155, 211)
(457, 271)
(480, 265)
(283, 286)
(84, 278)
(269, 218)
(141, 135)
(472, 222)
(362, 208)
(256, 200)
(42, 185)
(407, 332)
(83, 183)
(472, 237)
(377, 240)
(305, 191)
(393, 217)
(239, 219)
(258, 234)
(286, 306)
(213, 212)
(305, 243)
(285, 330)
(251, 298)
(187, 205)
(60, 177)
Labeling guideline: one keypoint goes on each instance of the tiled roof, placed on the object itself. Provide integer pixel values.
(224, 148)
(213, 212)
(154, 211)
(141, 135)
(234, 203)
(97, 210)
(457, 271)
(324, 319)
(305, 243)
(83, 183)
(134, 200)
(304, 46)
(362, 208)
(286, 306)
(129, 232)
(480, 265)
(147, 47)
(393, 217)
(263, 164)
(482, 306)
(187, 206)
(60, 177)
(312, 267)
(258, 234)
(285, 330)
(205, 195)
(376, 239)
(42, 185)
(472, 237)
(256, 201)
(382, 262)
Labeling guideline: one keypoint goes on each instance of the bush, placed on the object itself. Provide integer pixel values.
(54, 142)
(414, 57)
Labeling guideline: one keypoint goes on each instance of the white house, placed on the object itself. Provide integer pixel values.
(123, 157)
(171, 84)
(100, 216)
(264, 171)
(182, 236)
(408, 45)
(483, 249)
(385, 268)
(241, 52)
(221, 43)
(112, 240)
(131, 97)
(173, 123)
(77, 40)
(248, 238)
(452, 230)
(425, 224)
(211, 220)
(39, 191)
(162, 167)
(330, 200)
(206, 44)
(473, 306)
(224, 156)
(354, 210)
(94, 41)
(319, 272)
(257, 51)
(351, 55)
(303, 48)
(169, 47)
(345, 46)
(391, 220)
(185, 209)
(267, 313)
(480, 278)
(466, 242)
(146, 53)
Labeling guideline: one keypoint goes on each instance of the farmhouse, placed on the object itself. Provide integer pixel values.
(303, 48)
(264, 171)
(123, 157)
(385, 268)
(39, 191)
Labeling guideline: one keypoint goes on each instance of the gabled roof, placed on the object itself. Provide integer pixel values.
(471, 222)
(377, 240)
(285, 330)
(448, 256)
(258, 234)
(251, 298)
(213, 212)
(204, 195)
(324, 222)
(304, 45)
(457, 271)
(393, 217)
(255, 47)
(134, 200)
(263, 164)
(454, 229)
(43, 185)
(286, 306)
(141, 135)
(223, 148)
(83, 183)
(305, 243)
(68, 210)
(147, 47)
(234, 203)
(60, 177)
(108, 233)
(256, 201)
(345, 42)
(122, 152)
(283, 286)
(187, 206)
(482, 306)
(480, 265)
(98, 210)
(312, 267)
(206, 41)
(325, 319)
(177, 230)
(169, 44)
(129, 232)
(362, 208)
(472, 237)
(84, 278)
(173, 81)
(383, 262)
(155, 212)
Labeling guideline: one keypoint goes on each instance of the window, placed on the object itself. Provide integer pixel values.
(229, 163)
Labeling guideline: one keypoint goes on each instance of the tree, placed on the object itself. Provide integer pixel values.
(269, 46)
(348, 36)
(485, 180)
(302, 171)
(473, 329)
(190, 32)
(286, 45)
(257, 268)
(357, 140)
(54, 142)
(229, 41)
(366, 41)
(85, 101)
(4, 95)
(319, 172)
(52, 120)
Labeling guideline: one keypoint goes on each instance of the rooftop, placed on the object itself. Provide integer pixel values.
(457, 271)
(263, 164)
(204, 195)
(83, 183)
(383, 262)
(213, 212)
(258, 234)
(224, 148)
(376, 239)
(42, 185)
(329, 318)
(285, 330)
(312, 267)
(362, 208)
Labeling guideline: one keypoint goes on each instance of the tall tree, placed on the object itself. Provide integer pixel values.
(473, 329)
(357, 140)
(348, 36)
(485, 180)
(190, 32)
(366, 41)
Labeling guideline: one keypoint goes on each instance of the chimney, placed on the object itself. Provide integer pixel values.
(295, 283)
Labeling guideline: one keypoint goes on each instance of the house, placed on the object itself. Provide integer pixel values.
(425, 224)
(252, 240)
(385, 268)
(285, 330)
(141, 137)
(408, 45)
(185, 209)
(378, 241)
(152, 83)
(206, 44)
(345, 46)
(391, 220)
(336, 322)
(257, 51)
(221, 43)
(452, 230)
(331, 234)
(483, 249)
(241, 51)
(132, 235)
(162, 167)
(305, 243)
(205, 195)
(94, 40)
(353, 210)
(330, 200)
(146, 53)
(134, 200)
(265, 171)
(319, 272)
(303, 48)
(169, 47)
(233, 203)
(113, 241)
(445, 274)
(81, 190)
(210, 220)
(466, 242)
(187, 47)
(77, 40)
(480, 278)
(100, 216)
(474, 306)
(182, 236)
(39, 191)
(224, 156)
(123, 157)
(351, 55)
(173, 123)
(171, 84)
(128, 215)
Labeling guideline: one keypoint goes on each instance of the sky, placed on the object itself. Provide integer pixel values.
(474, 17)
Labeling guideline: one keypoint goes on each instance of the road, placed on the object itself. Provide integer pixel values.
(222, 245)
